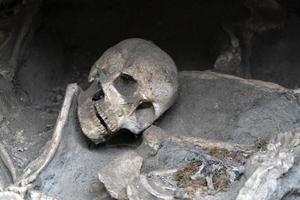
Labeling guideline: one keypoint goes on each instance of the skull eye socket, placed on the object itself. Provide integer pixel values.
(145, 113)
(126, 85)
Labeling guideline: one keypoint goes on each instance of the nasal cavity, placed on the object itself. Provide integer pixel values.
(98, 95)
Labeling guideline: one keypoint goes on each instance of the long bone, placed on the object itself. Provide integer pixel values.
(36, 166)
(8, 162)
(29, 175)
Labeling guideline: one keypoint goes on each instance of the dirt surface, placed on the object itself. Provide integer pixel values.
(226, 108)
(73, 36)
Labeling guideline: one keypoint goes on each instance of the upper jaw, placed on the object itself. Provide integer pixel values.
(97, 121)
(108, 118)
(90, 123)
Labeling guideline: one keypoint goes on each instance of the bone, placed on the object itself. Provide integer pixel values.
(8, 162)
(269, 181)
(37, 195)
(213, 144)
(10, 196)
(207, 173)
(36, 166)
(154, 136)
(120, 172)
(139, 86)
(150, 189)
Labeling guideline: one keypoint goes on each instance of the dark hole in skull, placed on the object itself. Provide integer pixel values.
(98, 95)
(126, 85)
(99, 91)
(145, 113)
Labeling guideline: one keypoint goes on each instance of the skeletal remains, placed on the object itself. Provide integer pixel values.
(21, 185)
(133, 83)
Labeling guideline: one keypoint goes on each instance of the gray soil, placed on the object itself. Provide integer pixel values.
(225, 108)
(73, 36)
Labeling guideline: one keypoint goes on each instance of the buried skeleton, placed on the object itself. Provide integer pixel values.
(133, 84)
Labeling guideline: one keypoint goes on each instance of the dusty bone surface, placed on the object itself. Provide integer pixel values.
(76, 157)
(120, 172)
(132, 84)
(177, 170)
(20, 186)
(187, 168)
(19, 121)
(27, 121)
(274, 173)
(73, 173)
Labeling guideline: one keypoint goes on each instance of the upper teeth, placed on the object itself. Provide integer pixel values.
(112, 125)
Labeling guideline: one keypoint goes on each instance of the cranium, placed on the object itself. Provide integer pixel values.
(133, 83)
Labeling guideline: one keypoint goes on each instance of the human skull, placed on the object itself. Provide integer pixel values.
(133, 83)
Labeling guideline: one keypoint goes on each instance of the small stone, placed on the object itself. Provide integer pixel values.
(153, 137)
(121, 171)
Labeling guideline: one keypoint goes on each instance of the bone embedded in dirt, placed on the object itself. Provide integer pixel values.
(276, 170)
(121, 171)
(10, 196)
(187, 167)
(37, 195)
(152, 139)
(36, 166)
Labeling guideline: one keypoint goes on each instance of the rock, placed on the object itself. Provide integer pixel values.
(226, 108)
(121, 171)
(153, 137)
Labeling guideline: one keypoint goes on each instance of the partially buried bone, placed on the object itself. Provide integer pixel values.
(22, 184)
(8, 162)
(180, 167)
(276, 171)
(35, 167)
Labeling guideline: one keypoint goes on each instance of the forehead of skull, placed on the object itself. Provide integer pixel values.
(142, 60)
